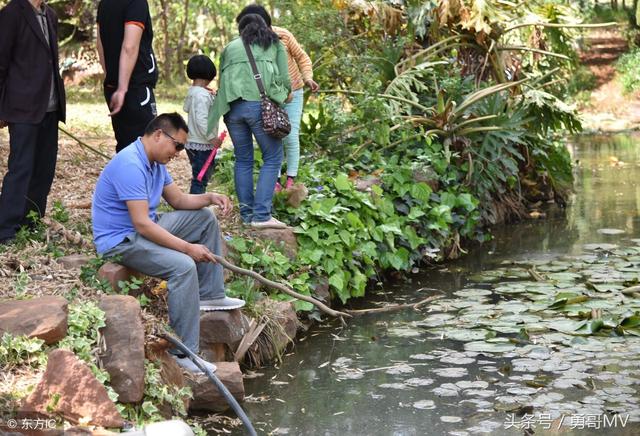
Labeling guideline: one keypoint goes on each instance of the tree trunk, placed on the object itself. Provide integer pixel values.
(166, 50)
(183, 30)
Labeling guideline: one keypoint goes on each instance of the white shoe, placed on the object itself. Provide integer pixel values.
(187, 363)
(270, 224)
(226, 303)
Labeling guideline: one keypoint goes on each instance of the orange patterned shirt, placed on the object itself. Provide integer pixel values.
(300, 67)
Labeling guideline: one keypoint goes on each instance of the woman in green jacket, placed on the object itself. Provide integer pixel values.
(238, 100)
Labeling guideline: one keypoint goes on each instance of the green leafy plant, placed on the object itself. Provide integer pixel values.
(130, 285)
(89, 274)
(60, 212)
(20, 350)
(156, 393)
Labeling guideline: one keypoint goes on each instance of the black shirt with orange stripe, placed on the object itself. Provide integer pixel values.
(112, 17)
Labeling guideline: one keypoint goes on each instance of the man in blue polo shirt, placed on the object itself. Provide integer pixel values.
(176, 246)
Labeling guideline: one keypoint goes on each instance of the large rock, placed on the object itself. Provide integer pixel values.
(284, 239)
(44, 318)
(365, 184)
(124, 338)
(321, 290)
(296, 195)
(222, 327)
(206, 395)
(115, 273)
(285, 315)
(170, 372)
(220, 331)
(80, 396)
(73, 261)
(276, 337)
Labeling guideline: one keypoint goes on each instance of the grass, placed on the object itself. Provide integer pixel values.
(628, 67)
(88, 115)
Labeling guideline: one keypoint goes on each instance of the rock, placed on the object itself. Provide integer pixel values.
(44, 318)
(219, 331)
(216, 353)
(287, 318)
(80, 396)
(73, 261)
(283, 313)
(427, 175)
(124, 338)
(170, 372)
(296, 195)
(366, 183)
(206, 395)
(284, 239)
(114, 273)
(321, 290)
(222, 327)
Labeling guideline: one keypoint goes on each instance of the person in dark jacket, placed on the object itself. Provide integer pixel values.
(32, 102)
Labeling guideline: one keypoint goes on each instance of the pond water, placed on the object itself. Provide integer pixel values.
(532, 331)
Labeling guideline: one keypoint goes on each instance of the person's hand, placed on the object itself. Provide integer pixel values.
(211, 90)
(3, 124)
(200, 253)
(289, 98)
(216, 142)
(117, 100)
(313, 85)
(222, 201)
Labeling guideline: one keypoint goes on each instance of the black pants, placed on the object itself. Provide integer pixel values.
(32, 166)
(138, 109)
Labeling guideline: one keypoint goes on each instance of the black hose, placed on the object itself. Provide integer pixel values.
(222, 388)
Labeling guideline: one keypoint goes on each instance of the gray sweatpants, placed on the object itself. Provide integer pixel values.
(188, 282)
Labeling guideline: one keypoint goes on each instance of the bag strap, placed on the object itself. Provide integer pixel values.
(256, 74)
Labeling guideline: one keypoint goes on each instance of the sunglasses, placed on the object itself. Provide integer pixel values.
(179, 145)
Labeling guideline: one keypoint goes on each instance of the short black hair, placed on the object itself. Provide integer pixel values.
(255, 9)
(201, 67)
(170, 123)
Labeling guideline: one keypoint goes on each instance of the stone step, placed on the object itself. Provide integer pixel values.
(115, 273)
(206, 395)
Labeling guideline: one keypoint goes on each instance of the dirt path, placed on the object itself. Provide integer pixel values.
(609, 109)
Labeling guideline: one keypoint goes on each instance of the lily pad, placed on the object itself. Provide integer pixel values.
(489, 347)
(476, 384)
(424, 404)
(611, 231)
(453, 372)
(416, 381)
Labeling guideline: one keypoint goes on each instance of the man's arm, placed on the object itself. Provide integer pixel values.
(181, 201)
(100, 50)
(139, 213)
(128, 59)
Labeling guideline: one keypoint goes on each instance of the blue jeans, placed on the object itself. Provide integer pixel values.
(243, 120)
(197, 159)
(292, 140)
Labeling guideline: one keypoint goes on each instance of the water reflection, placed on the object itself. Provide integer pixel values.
(376, 376)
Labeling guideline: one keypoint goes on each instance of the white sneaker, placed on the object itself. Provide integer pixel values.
(270, 224)
(226, 303)
(186, 363)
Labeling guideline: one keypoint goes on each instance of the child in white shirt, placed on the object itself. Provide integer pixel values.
(199, 99)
